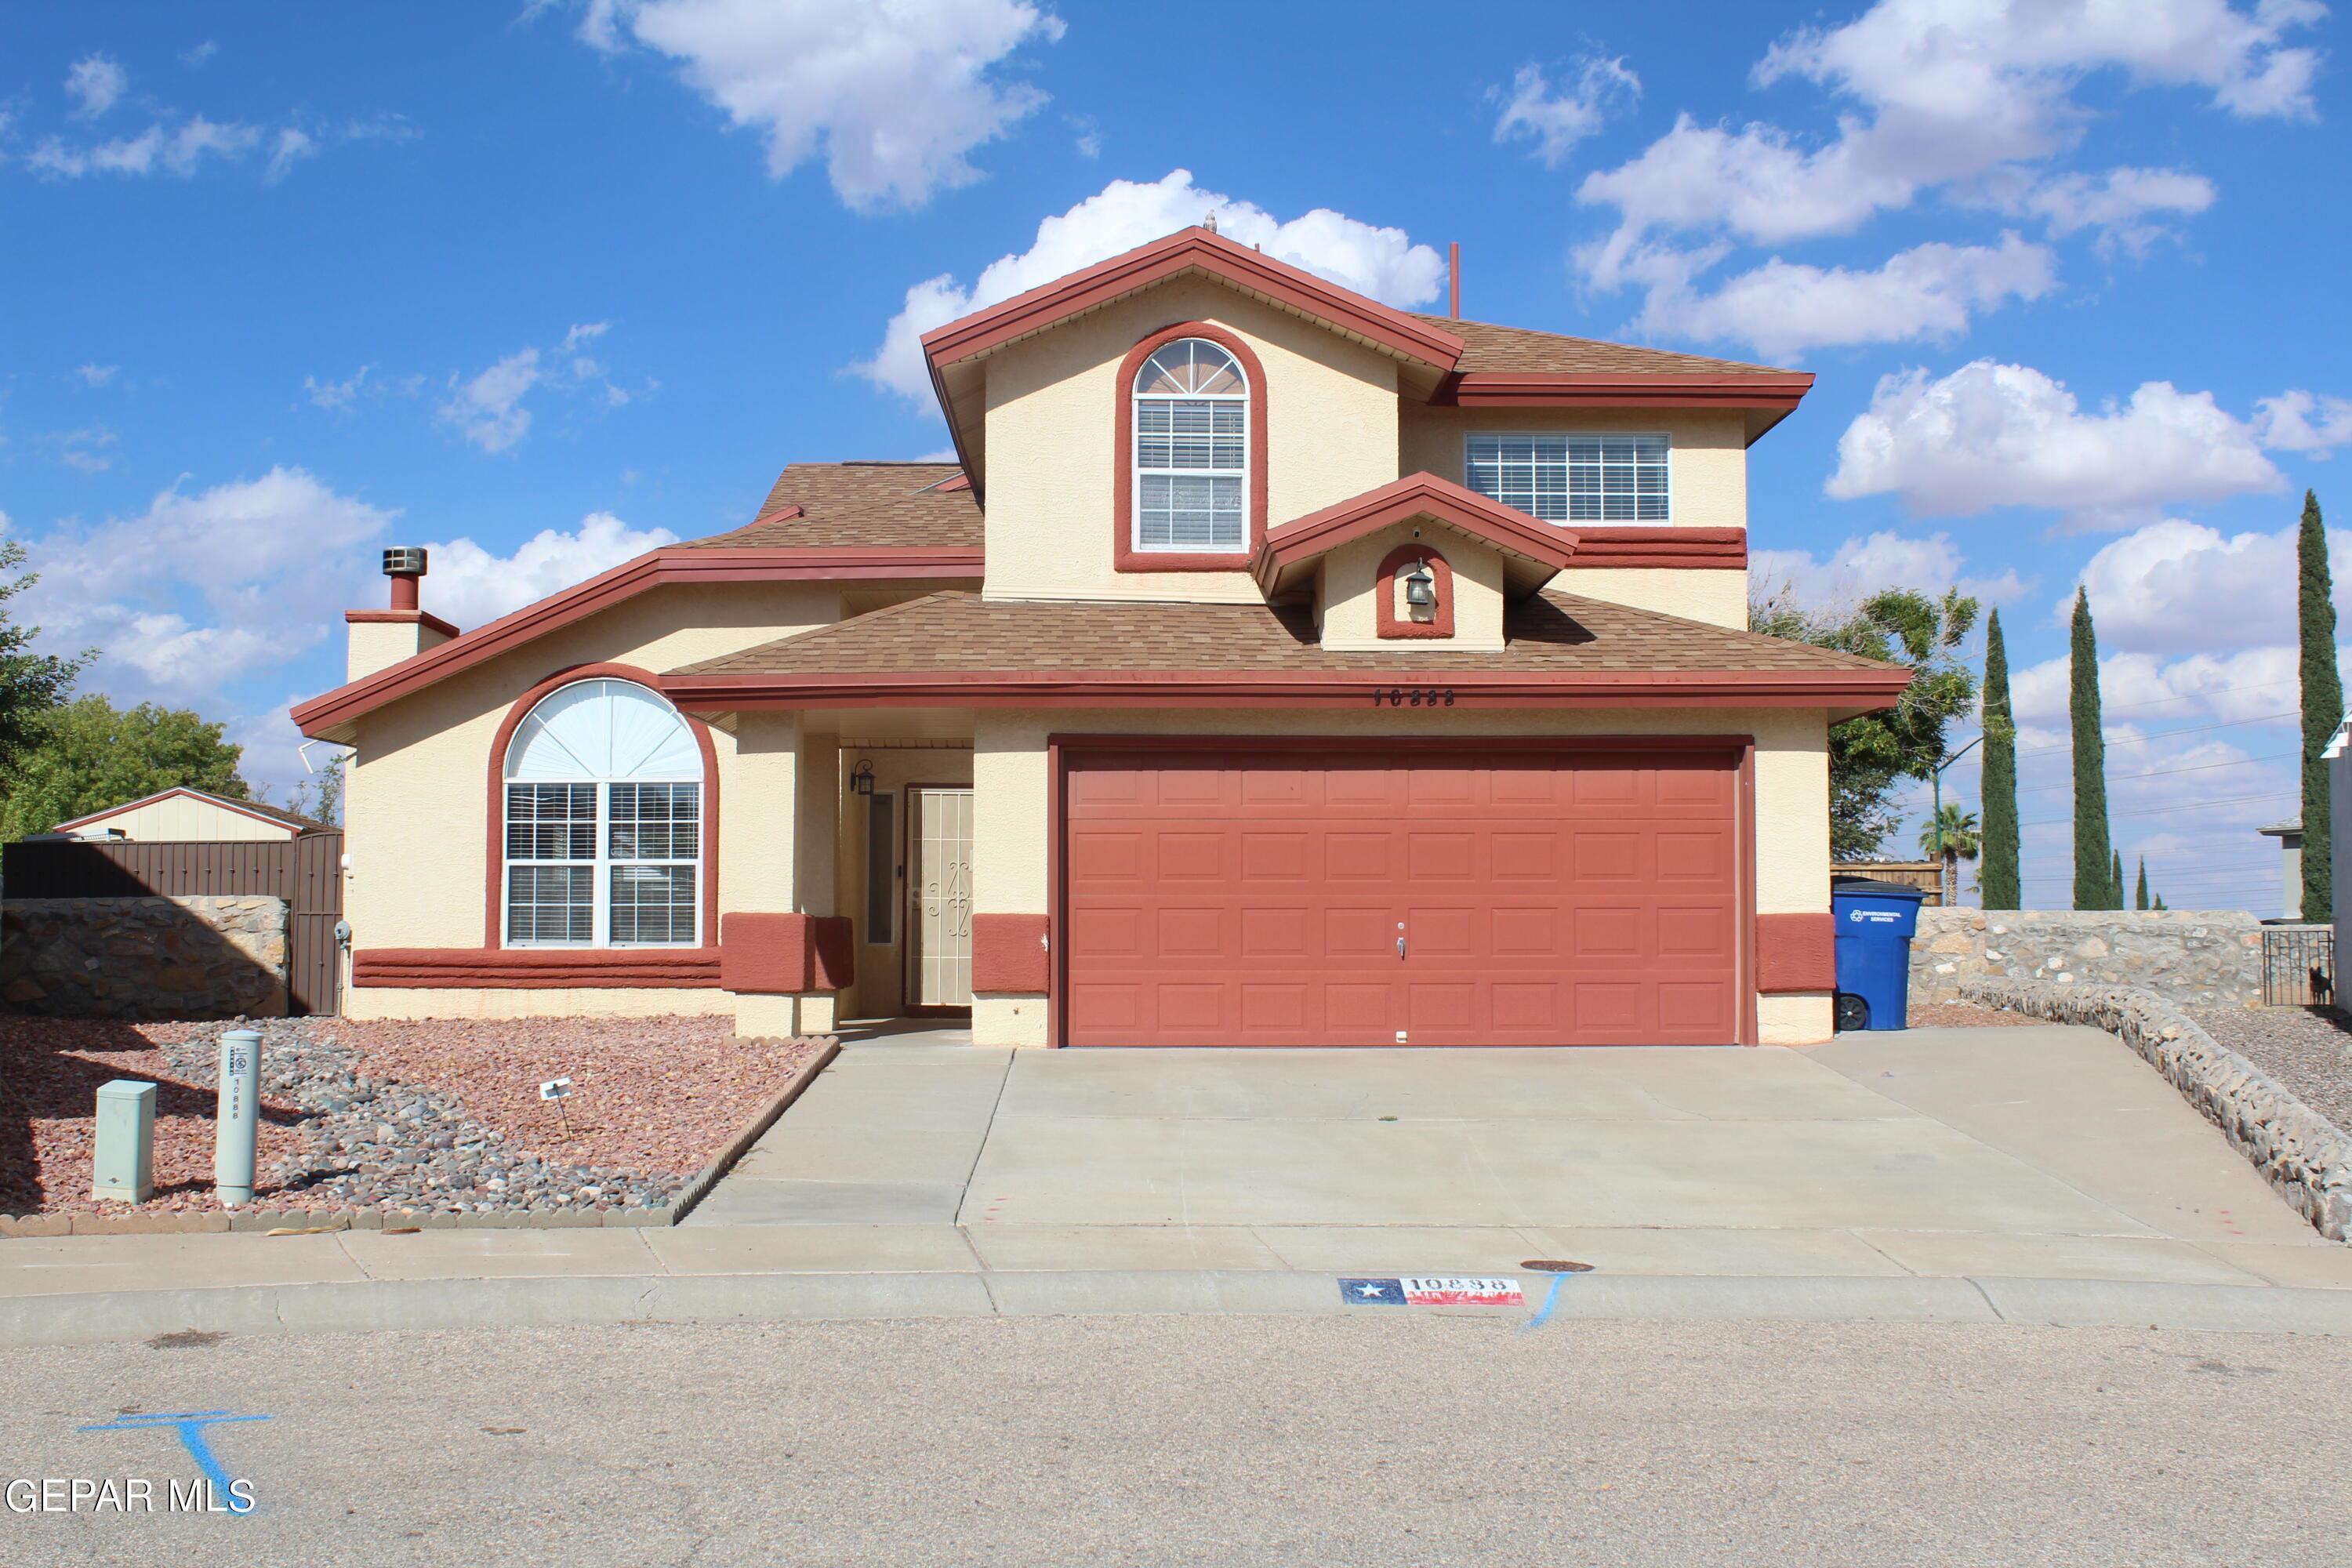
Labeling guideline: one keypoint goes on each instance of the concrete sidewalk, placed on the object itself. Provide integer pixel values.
(2042, 1174)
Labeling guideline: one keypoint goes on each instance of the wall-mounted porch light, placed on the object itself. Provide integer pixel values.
(861, 779)
(1421, 592)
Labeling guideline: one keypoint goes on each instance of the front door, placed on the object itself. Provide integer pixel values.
(939, 886)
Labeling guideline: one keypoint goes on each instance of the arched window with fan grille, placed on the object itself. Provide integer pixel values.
(1191, 450)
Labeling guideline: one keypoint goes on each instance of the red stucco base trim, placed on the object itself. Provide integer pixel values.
(512, 969)
(1009, 953)
(784, 954)
(1795, 953)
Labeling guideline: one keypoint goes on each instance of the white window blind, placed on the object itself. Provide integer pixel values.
(604, 822)
(1573, 479)
(1191, 449)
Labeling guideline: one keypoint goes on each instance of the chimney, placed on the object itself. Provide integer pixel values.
(382, 638)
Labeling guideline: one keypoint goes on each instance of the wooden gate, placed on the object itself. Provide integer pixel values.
(307, 872)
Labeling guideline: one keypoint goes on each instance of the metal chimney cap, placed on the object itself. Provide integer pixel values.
(404, 560)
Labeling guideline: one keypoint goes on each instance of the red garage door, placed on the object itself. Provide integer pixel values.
(1535, 898)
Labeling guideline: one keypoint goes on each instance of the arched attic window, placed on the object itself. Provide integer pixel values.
(603, 821)
(1191, 449)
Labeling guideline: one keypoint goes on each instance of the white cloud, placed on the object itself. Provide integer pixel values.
(470, 586)
(2284, 423)
(90, 449)
(1383, 263)
(201, 590)
(98, 82)
(1969, 97)
(1861, 566)
(2145, 693)
(336, 393)
(96, 375)
(1783, 307)
(2118, 203)
(291, 147)
(1994, 434)
(2174, 586)
(179, 151)
(487, 408)
(1555, 120)
(893, 92)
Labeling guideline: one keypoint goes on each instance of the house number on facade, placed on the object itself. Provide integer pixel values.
(1414, 697)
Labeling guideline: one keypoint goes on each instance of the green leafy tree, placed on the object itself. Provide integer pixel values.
(2097, 883)
(1999, 877)
(1871, 754)
(31, 684)
(88, 756)
(2322, 709)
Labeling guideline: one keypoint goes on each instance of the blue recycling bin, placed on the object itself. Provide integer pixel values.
(1875, 925)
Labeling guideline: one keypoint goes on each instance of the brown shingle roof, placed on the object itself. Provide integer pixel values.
(954, 633)
(862, 505)
(1491, 348)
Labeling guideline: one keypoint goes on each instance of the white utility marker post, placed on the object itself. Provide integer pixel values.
(238, 1120)
(123, 1164)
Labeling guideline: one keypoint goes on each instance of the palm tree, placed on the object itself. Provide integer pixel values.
(1952, 837)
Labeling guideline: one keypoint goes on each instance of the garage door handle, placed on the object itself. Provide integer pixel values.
(1399, 947)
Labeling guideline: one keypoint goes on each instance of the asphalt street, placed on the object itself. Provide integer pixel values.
(1212, 1440)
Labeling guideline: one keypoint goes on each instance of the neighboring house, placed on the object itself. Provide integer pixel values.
(1274, 667)
(2289, 833)
(190, 816)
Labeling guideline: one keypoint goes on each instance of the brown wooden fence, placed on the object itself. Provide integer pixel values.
(1927, 876)
(307, 872)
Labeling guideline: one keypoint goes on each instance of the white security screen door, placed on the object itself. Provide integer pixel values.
(939, 889)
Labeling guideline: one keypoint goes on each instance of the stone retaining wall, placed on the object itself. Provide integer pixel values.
(195, 957)
(2197, 960)
(2298, 1151)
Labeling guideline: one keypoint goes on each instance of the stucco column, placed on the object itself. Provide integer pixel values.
(1012, 821)
(1793, 872)
(759, 817)
(813, 855)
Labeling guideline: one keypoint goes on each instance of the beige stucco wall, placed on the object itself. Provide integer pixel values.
(581, 1002)
(1350, 587)
(417, 795)
(1056, 415)
(182, 820)
(1706, 477)
(378, 645)
(1013, 816)
(1719, 597)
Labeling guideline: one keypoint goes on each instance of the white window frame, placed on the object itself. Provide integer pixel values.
(1664, 437)
(1137, 473)
(602, 864)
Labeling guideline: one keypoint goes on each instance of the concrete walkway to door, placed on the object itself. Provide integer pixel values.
(2044, 1153)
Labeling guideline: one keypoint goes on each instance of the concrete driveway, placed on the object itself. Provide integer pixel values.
(2047, 1152)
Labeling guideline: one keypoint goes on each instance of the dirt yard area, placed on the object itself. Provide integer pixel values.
(2307, 1050)
(1966, 1016)
(442, 1115)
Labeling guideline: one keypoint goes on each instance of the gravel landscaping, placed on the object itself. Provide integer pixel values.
(2307, 1050)
(437, 1116)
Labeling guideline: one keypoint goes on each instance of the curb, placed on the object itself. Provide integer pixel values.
(431, 1305)
(255, 1219)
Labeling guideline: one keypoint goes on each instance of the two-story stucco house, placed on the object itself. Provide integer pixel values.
(1275, 667)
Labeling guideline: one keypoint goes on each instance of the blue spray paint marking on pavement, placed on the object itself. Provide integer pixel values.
(1543, 1313)
(191, 1425)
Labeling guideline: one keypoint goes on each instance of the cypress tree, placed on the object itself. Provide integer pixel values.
(2140, 901)
(2094, 879)
(1998, 876)
(2116, 881)
(2323, 706)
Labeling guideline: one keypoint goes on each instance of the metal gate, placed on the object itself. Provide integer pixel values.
(307, 872)
(2298, 966)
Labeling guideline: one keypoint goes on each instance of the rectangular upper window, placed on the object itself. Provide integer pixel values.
(1572, 478)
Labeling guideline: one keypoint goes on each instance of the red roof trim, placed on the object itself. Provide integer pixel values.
(1660, 544)
(1280, 688)
(669, 566)
(425, 618)
(1304, 538)
(1092, 287)
(1661, 389)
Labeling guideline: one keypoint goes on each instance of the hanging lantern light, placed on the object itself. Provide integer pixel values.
(861, 778)
(1421, 592)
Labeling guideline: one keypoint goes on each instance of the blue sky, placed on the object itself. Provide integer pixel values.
(545, 285)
